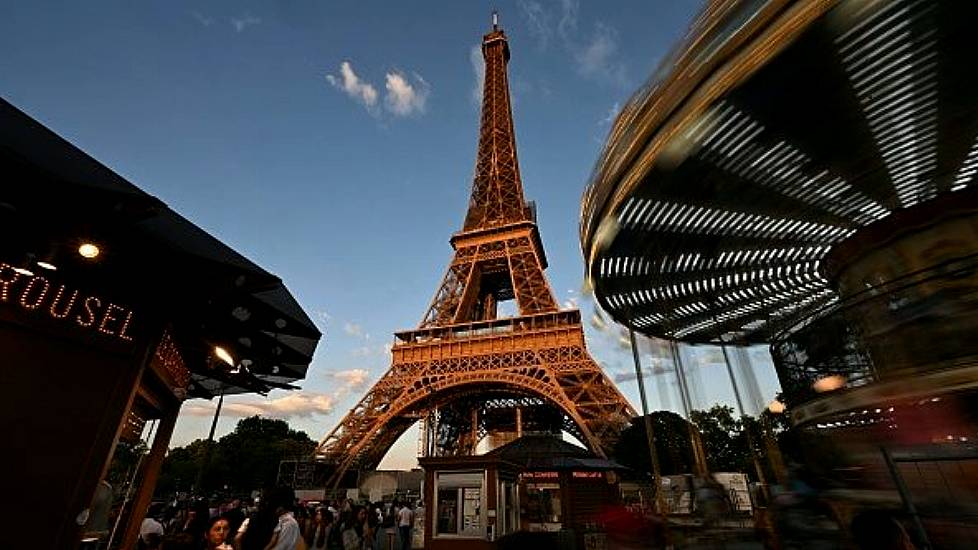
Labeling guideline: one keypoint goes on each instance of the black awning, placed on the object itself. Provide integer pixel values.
(550, 452)
(207, 293)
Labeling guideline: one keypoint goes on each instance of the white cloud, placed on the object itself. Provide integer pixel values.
(202, 19)
(360, 90)
(479, 72)
(242, 22)
(352, 378)
(599, 57)
(537, 22)
(568, 19)
(362, 351)
(403, 97)
(353, 329)
(322, 316)
(540, 21)
(348, 381)
(295, 404)
(610, 117)
(292, 405)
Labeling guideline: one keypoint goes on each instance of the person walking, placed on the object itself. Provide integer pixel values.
(319, 528)
(285, 535)
(151, 530)
(405, 521)
(371, 528)
(351, 529)
(256, 530)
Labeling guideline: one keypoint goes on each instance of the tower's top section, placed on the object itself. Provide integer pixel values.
(497, 192)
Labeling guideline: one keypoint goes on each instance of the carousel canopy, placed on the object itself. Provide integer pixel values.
(775, 132)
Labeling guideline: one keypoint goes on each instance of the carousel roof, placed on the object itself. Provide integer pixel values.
(775, 132)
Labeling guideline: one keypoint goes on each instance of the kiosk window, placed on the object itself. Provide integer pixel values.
(543, 502)
(459, 507)
(507, 510)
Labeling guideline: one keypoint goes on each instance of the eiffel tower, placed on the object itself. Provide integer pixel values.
(463, 368)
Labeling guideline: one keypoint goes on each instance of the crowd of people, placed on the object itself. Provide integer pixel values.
(277, 521)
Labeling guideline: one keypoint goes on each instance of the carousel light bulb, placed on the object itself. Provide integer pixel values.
(223, 355)
(88, 250)
(829, 383)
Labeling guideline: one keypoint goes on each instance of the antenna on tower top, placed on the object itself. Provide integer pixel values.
(495, 20)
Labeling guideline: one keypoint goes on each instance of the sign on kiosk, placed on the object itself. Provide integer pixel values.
(40, 296)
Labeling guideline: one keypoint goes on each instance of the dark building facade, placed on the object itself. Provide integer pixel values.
(114, 310)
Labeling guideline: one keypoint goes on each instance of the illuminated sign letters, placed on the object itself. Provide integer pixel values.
(539, 475)
(38, 294)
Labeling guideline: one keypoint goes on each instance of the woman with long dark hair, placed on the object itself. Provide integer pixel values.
(317, 532)
(256, 530)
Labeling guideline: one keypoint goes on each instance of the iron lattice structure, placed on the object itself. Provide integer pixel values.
(463, 363)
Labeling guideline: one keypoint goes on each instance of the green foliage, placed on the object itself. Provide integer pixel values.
(671, 443)
(725, 441)
(124, 461)
(242, 460)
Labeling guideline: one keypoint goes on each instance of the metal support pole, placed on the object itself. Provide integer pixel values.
(733, 381)
(699, 455)
(649, 436)
(680, 382)
(905, 497)
(740, 406)
(205, 463)
(519, 422)
(773, 451)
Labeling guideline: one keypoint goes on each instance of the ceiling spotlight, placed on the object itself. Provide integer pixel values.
(48, 266)
(23, 271)
(88, 250)
(223, 355)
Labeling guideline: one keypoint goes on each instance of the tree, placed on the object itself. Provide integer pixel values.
(180, 467)
(724, 440)
(241, 461)
(672, 445)
(741, 444)
(124, 462)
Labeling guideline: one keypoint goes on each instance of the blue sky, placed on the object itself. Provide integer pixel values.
(333, 143)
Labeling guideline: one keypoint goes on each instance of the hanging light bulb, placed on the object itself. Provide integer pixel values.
(223, 355)
(89, 250)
